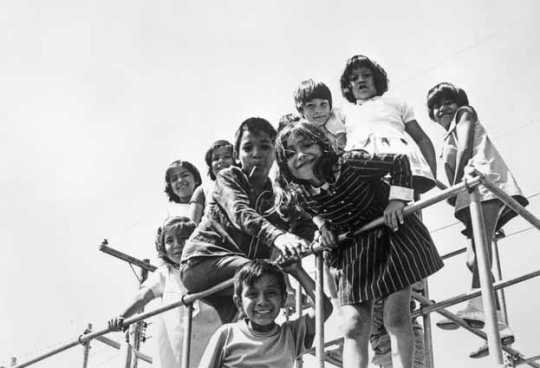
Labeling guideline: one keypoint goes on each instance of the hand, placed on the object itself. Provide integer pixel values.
(326, 237)
(290, 245)
(117, 324)
(291, 265)
(393, 214)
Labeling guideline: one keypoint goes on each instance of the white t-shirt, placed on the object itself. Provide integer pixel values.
(165, 282)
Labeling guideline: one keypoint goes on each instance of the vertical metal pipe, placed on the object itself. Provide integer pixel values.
(298, 306)
(186, 343)
(319, 311)
(502, 295)
(488, 294)
(428, 336)
(86, 347)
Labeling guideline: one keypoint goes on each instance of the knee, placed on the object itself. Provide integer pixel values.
(397, 321)
(354, 324)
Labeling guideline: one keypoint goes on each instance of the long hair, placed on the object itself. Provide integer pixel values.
(286, 184)
(357, 61)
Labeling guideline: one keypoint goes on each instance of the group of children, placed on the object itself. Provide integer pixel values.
(335, 173)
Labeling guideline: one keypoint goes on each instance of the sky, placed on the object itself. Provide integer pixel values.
(98, 97)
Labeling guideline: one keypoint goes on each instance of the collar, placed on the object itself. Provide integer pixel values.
(374, 98)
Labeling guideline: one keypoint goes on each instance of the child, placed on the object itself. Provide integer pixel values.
(181, 179)
(218, 157)
(165, 283)
(466, 146)
(383, 124)
(344, 192)
(313, 101)
(237, 226)
(256, 340)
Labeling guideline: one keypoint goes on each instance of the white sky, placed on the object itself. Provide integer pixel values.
(98, 97)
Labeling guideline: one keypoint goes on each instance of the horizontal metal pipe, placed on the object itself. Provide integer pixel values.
(126, 257)
(512, 203)
(447, 193)
(142, 356)
(451, 316)
(434, 307)
(453, 253)
(110, 342)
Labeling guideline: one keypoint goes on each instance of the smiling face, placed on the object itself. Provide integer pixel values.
(173, 246)
(222, 158)
(444, 112)
(302, 155)
(362, 83)
(257, 151)
(183, 183)
(261, 301)
(317, 111)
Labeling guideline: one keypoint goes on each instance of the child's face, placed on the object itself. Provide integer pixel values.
(262, 301)
(221, 158)
(182, 183)
(444, 112)
(302, 154)
(173, 246)
(317, 111)
(362, 83)
(256, 151)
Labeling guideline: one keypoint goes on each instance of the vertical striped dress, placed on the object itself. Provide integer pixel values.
(379, 262)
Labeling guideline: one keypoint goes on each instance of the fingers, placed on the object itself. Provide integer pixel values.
(116, 324)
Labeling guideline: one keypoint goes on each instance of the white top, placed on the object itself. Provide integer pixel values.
(383, 116)
(177, 209)
(165, 282)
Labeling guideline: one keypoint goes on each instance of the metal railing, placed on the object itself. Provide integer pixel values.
(487, 289)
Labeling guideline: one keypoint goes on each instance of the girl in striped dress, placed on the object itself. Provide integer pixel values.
(343, 192)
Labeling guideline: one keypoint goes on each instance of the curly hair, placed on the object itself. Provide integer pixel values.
(309, 90)
(177, 165)
(358, 61)
(254, 125)
(255, 270)
(445, 91)
(182, 227)
(208, 155)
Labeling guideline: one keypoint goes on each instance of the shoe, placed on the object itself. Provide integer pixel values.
(507, 338)
(473, 317)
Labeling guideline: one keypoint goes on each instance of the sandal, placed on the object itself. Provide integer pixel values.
(507, 338)
(473, 317)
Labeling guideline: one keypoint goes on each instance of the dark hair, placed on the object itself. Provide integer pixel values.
(445, 91)
(253, 125)
(182, 227)
(357, 61)
(176, 165)
(286, 119)
(286, 188)
(309, 90)
(323, 168)
(253, 271)
(208, 156)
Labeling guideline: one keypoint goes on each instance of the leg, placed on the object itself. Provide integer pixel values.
(397, 320)
(491, 211)
(356, 327)
(201, 274)
(378, 338)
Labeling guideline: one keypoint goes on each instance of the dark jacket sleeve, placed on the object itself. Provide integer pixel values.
(232, 195)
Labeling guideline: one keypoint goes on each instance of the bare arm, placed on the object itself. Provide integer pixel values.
(424, 143)
(465, 119)
(298, 272)
(196, 206)
(143, 297)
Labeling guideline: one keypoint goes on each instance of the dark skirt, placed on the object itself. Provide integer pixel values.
(380, 262)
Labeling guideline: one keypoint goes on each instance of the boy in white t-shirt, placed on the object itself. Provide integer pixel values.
(256, 340)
